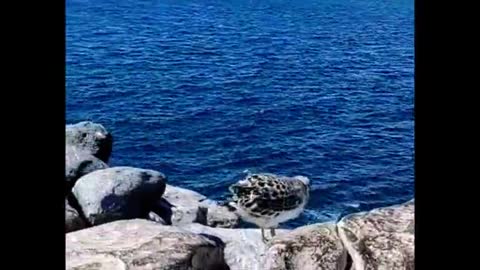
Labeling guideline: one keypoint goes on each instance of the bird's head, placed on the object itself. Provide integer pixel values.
(303, 179)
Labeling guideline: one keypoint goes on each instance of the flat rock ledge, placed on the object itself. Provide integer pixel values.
(244, 248)
(379, 239)
(141, 244)
(316, 246)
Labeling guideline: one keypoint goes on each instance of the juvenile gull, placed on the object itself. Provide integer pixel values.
(267, 200)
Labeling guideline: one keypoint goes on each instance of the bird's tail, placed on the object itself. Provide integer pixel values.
(235, 190)
(230, 200)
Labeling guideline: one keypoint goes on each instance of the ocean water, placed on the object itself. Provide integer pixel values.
(205, 91)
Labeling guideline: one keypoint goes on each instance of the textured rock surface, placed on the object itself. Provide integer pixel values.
(152, 216)
(73, 221)
(182, 206)
(141, 244)
(218, 215)
(91, 137)
(316, 246)
(244, 248)
(78, 163)
(118, 193)
(380, 239)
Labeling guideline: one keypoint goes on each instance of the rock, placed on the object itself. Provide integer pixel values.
(73, 221)
(78, 163)
(152, 216)
(182, 206)
(95, 262)
(118, 193)
(310, 247)
(91, 137)
(380, 239)
(244, 248)
(177, 195)
(218, 215)
(140, 244)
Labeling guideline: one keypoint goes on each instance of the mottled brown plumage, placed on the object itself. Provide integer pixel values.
(268, 200)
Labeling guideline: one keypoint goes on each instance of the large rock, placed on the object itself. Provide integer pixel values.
(118, 193)
(91, 137)
(140, 244)
(182, 206)
(380, 239)
(73, 221)
(219, 215)
(316, 246)
(244, 248)
(78, 163)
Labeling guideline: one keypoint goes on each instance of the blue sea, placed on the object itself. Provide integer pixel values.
(207, 90)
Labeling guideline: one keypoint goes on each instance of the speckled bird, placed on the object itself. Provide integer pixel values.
(267, 200)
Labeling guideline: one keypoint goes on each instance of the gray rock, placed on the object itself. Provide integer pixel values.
(312, 247)
(178, 194)
(78, 163)
(140, 244)
(152, 216)
(218, 215)
(380, 239)
(91, 137)
(244, 248)
(118, 193)
(73, 221)
(182, 206)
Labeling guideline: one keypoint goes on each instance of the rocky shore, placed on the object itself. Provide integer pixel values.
(131, 218)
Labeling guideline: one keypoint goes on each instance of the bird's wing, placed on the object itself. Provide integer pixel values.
(274, 199)
(268, 192)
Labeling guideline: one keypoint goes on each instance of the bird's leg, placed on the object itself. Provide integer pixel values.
(263, 236)
(272, 232)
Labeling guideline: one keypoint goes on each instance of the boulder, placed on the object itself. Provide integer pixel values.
(73, 221)
(78, 163)
(219, 215)
(140, 244)
(310, 247)
(91, 137)
(118, 193)
(182, 206)
(380, 239)
(244, 248)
